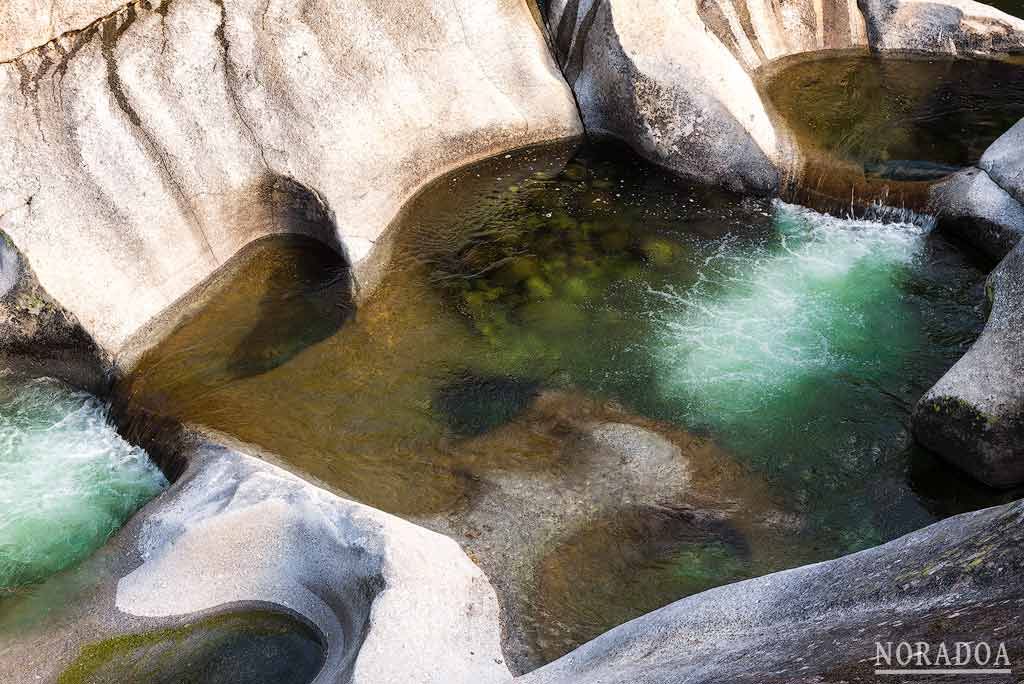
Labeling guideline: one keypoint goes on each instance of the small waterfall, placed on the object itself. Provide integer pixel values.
(68, 480)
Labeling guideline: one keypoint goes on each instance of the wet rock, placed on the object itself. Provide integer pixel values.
(581, 491)
(144, 147)
(38, 337)
(24, 24)
(974, 415)
(957, 580)
(256, 647)
(979, 212)
(1004, 161)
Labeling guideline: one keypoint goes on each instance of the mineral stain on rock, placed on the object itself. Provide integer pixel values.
(255, 647)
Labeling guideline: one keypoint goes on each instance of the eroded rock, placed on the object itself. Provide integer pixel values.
(1004, 161)
(974, 415)
(140, 145)
(39, 337)
(976, 210)
(393, 602)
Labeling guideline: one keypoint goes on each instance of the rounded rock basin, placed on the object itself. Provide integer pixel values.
(553, 318)
(886, 126)
(255, 647)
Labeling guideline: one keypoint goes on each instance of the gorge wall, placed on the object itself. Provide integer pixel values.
(144, 148)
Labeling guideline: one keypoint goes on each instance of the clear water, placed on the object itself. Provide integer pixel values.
(67, 479)
(780, 349)
(254, 647)
(874, 128)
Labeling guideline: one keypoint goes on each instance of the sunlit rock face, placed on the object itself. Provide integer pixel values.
(25, 24)
(147, 148)
(67, 479)
(379, 600)
(682, 83)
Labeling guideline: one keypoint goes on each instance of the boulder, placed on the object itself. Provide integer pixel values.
(955, 27)
(652, 74)
(956, 580)
(392, 602)
(142, 146)
(1004, 161)
(974, 415)
(39, 337)
(971, 207)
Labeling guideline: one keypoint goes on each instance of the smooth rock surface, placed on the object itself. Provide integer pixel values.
(957, 580)
(956, 27)
(653, 75)
(394, 602)
(25, 24)
(974, 415)
(1004, 161)
(678, 81)
(976, 210)
(39, 337)
(143, 151)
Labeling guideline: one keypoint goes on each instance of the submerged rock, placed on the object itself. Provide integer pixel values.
(974, 415)
(957, 580)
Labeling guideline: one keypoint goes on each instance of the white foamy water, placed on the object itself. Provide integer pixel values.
(763, 319)
(67, 478)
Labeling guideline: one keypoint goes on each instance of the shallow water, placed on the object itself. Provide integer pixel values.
(254, 647)
(67, 479)
(789, 344)
(899, 118)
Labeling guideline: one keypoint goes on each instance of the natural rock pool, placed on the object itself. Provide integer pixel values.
(68, 480)
(868, 121)
(675, 386)
(255, 647)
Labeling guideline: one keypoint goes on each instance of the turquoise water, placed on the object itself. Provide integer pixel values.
(792, 344)
(770, 322)
(67, 479)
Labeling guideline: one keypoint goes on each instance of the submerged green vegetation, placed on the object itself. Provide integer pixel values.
(67, 479)
(255, 647)
(794, 341)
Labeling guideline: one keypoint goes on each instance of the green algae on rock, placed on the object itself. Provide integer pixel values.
(255, 647)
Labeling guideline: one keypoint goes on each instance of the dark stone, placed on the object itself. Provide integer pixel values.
(471, 405)
(254, 647)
